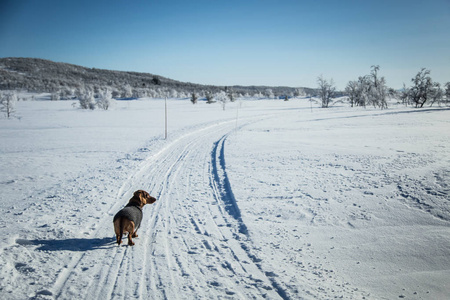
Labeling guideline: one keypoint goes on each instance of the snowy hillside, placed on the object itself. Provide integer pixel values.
(267, 199)
(67, 80)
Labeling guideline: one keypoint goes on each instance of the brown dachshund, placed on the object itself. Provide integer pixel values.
(129, 218)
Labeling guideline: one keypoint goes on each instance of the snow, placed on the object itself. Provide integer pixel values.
(267, 199)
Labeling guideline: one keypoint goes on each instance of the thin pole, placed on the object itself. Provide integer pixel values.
(237, 114)
(165, 109)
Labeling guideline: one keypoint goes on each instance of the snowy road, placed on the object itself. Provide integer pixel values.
(193, 232)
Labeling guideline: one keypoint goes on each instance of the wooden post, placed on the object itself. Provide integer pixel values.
(165, 119)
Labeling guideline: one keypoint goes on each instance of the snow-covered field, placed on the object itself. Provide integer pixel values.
(267, 199)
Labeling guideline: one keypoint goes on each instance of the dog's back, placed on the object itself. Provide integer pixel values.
(132, 213)
(128, 220)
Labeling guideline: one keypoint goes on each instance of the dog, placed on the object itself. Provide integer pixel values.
(129, 218)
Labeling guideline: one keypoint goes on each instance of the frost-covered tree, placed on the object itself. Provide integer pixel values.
(140, 93)
(222, 97)
(66, 93)
(300, 92)
(7, 103)
(55, 96)
(269, 93)
(231, 95)
(87, 100)
(127, 91)
(377, 91)
(423, 89)
(447, 92)
(209, 98)
(326, 90)
(115, 93)
(368, 90)
(104, 100)
(438, 95)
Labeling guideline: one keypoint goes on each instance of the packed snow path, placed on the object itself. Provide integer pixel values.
(191, 218)
(192, 244)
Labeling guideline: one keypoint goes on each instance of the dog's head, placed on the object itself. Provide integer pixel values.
(141, 198)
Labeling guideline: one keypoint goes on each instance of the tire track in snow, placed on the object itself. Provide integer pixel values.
(173, 251)
(107, 284)
(181, 236)
(109, 281)
(221, 184)
(167, 259)
(223, 191)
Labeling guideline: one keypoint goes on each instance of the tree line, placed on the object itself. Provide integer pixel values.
(372, 90)
(96, 88)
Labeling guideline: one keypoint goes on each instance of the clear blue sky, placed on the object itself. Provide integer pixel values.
(230, 42)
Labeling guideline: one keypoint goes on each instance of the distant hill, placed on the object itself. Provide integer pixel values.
(39, 75)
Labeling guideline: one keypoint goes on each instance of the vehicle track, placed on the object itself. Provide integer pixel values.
(192, 242)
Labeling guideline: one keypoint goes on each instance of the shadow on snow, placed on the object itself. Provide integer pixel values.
(76, 244)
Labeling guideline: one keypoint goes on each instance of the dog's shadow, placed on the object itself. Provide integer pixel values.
(76, 244)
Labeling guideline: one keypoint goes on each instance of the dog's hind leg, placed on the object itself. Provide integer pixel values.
(118, 229)
(131, 234)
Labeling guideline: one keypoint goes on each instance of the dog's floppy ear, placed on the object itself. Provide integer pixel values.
(143, 197)
(147, 198)
(138, 198)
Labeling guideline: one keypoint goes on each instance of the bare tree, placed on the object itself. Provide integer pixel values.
(7, 103)
(352, 91)
(404, 95)
(326, 90)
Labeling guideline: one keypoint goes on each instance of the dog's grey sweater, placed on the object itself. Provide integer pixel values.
(132, 213)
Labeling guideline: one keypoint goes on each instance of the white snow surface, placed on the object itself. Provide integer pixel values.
(268, 199)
